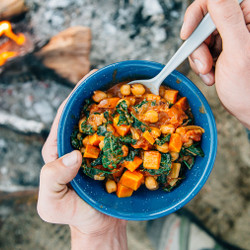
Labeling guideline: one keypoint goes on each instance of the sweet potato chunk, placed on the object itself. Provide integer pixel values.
(132, 165)
(171, 95)
(175, 143)
(182, 103)
(122, 129)
(123, 191)
(148, 137)
(109, 103)
(94, 139)
(177, 115)
(152, 159)
(91, 152)
(131, 179)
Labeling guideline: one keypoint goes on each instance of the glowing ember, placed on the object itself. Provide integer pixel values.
(6, 29)
(5, 55)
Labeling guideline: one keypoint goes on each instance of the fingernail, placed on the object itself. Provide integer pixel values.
(198, 64)
(206, 78)
(182, 32)
(70, 159)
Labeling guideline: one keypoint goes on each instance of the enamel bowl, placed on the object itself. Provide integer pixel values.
(143, 204)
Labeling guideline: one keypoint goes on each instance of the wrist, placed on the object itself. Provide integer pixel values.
(113, 237)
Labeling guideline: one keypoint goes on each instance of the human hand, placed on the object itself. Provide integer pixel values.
(224, 58)
(58, 203)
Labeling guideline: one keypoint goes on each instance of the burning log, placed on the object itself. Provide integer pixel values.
(67, 53)
(11, 8)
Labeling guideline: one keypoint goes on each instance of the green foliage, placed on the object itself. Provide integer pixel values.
(91, 172)
(160, 141)
(97, 161)
(190, 163)
(165, 166)
(112, 151)
(124, 116)
(193, 150)
(87, 128)
(127, 139)
(140, 125)
(139, 105)
(132, 153)
(86, 105)
(74, 141)
(102, 130)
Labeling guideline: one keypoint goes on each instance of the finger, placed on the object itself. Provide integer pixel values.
(245, 6)
(229, 20)
(208, 78)
(202, 59)
(49, 150)
(55, 175)
(194, 14)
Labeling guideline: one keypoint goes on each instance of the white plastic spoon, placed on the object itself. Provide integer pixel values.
(199, 35)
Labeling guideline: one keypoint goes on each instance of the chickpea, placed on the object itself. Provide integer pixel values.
(125, 89)
(151, 116)
(162, 91)
(151, 183)
(101, 145)
(79, 136)
(155, 132)
(167, 129)
(174, 156)
(127, 102)
(98, 177)
(135, 134)
(125, 150)
(163, 148)
(138, 89)
(80, 123)
(99, 95)
(111, 186)
(82, 150)
(188, 143)
(85, 141)
(131, 99)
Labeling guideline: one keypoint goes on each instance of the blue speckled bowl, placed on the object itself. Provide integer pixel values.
(144, 204)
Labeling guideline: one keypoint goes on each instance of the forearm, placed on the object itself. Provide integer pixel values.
(111, 239)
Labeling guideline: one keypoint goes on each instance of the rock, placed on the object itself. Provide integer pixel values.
(20, 160)
(11, 8)
(68, 53)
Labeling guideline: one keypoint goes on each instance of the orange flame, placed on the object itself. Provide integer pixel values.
(5, 55)
(6, 29)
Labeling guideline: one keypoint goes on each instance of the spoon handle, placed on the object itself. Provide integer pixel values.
(199, 35)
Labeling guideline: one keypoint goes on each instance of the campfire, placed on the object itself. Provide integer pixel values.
(6, 29)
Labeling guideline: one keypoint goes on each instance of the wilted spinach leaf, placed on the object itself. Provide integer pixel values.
(160, 141)
(87, 128)
(112, 151)
(194, 150)
(132, 153)
(127, 139)
(140, 125)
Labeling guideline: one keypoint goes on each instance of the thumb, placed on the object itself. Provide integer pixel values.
(229, 20)
(55, 175)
